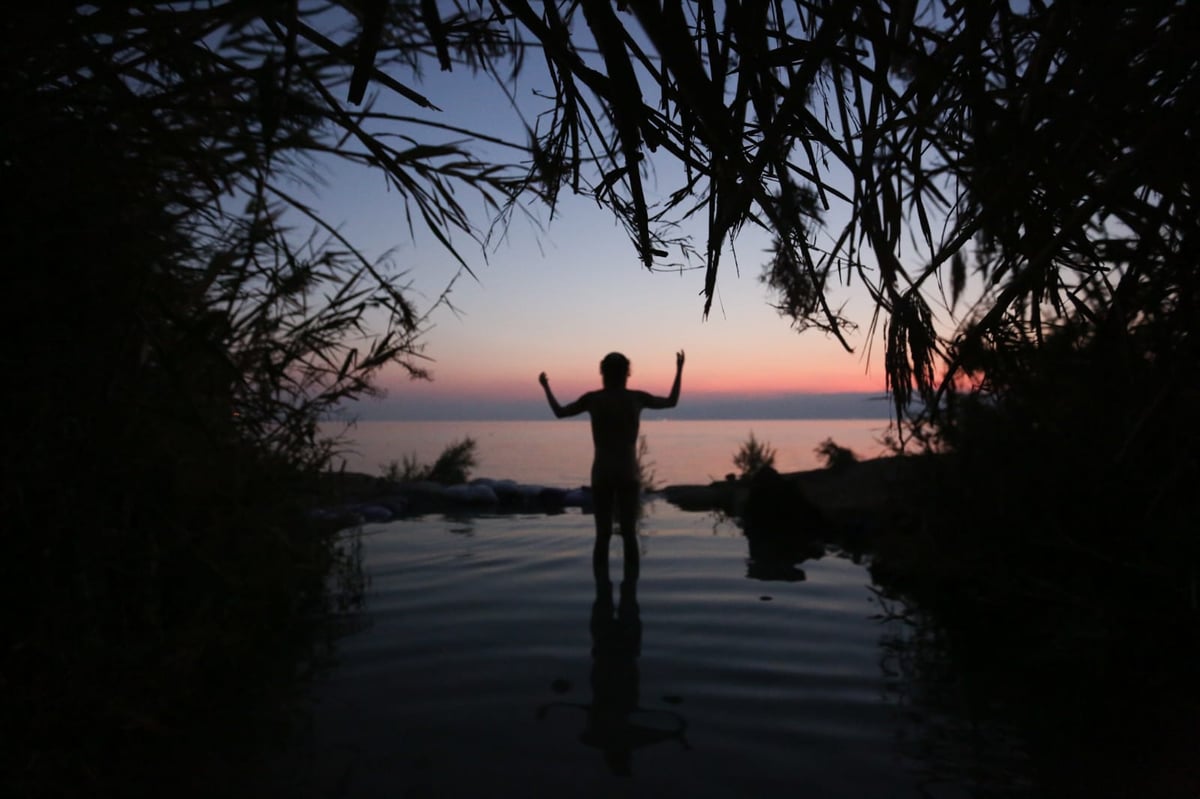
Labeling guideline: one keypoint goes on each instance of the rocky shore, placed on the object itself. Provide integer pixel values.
(855, 495)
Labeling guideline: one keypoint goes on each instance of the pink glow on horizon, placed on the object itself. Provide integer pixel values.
(568, 384)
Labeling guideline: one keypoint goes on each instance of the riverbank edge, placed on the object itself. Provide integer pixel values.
(1024, 663)
(868, 490)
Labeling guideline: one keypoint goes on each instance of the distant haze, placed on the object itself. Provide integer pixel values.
(703, 406)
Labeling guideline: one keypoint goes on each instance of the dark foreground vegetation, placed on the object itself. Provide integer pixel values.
(176, 321)
(1052, 548)
(1082, 640)
(1048, 576)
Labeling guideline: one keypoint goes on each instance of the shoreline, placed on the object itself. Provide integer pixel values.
(861, 492)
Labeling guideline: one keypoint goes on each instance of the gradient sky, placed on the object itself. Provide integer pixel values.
(558, 299)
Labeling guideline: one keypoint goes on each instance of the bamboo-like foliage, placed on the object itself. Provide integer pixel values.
(176, 321)
(225, 107)
(1040, 146)
(1029, 144)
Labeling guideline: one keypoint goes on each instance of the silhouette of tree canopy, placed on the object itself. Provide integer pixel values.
(1041, 146)
(152, 169)
(173, 337)
(1038, 146)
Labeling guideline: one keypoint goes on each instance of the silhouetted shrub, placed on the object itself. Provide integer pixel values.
(834, 456)
(455, 463)
(408, 469)
(752, 457)
(647, 479)
(1055, 544)
(452, 466)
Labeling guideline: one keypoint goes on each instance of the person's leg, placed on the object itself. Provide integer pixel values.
(602, 509)
(627, 509)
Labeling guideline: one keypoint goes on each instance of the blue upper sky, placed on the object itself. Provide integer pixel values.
(556, 293)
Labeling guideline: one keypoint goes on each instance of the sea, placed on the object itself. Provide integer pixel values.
(481, 658)
(559, 452)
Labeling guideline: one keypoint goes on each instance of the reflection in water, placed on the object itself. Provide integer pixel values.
(954, 737)
(468, 637)
(772, 559)
(616, 723)
(776, 551)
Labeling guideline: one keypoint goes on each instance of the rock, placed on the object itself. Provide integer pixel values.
(373, 513)
(777, 506)
(508, 492)
(552, 500)
(476, 494)
(398, 504)
(578, 498)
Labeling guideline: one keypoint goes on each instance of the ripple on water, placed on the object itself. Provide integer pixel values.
(476, 669)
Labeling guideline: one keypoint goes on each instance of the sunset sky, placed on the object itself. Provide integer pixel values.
(558, 299)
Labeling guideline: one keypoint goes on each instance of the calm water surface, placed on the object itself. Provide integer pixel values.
(559, 452)
(482, 665)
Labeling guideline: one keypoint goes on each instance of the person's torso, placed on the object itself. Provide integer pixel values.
(615, 415)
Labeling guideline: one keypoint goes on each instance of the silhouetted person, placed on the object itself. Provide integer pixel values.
(616, 412)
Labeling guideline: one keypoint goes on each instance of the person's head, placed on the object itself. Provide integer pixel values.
(614, 370)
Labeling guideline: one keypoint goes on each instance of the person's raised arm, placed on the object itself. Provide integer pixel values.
(672, 399)
(571, 409)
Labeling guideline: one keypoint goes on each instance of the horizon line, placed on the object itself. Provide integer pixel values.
(795, 406)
